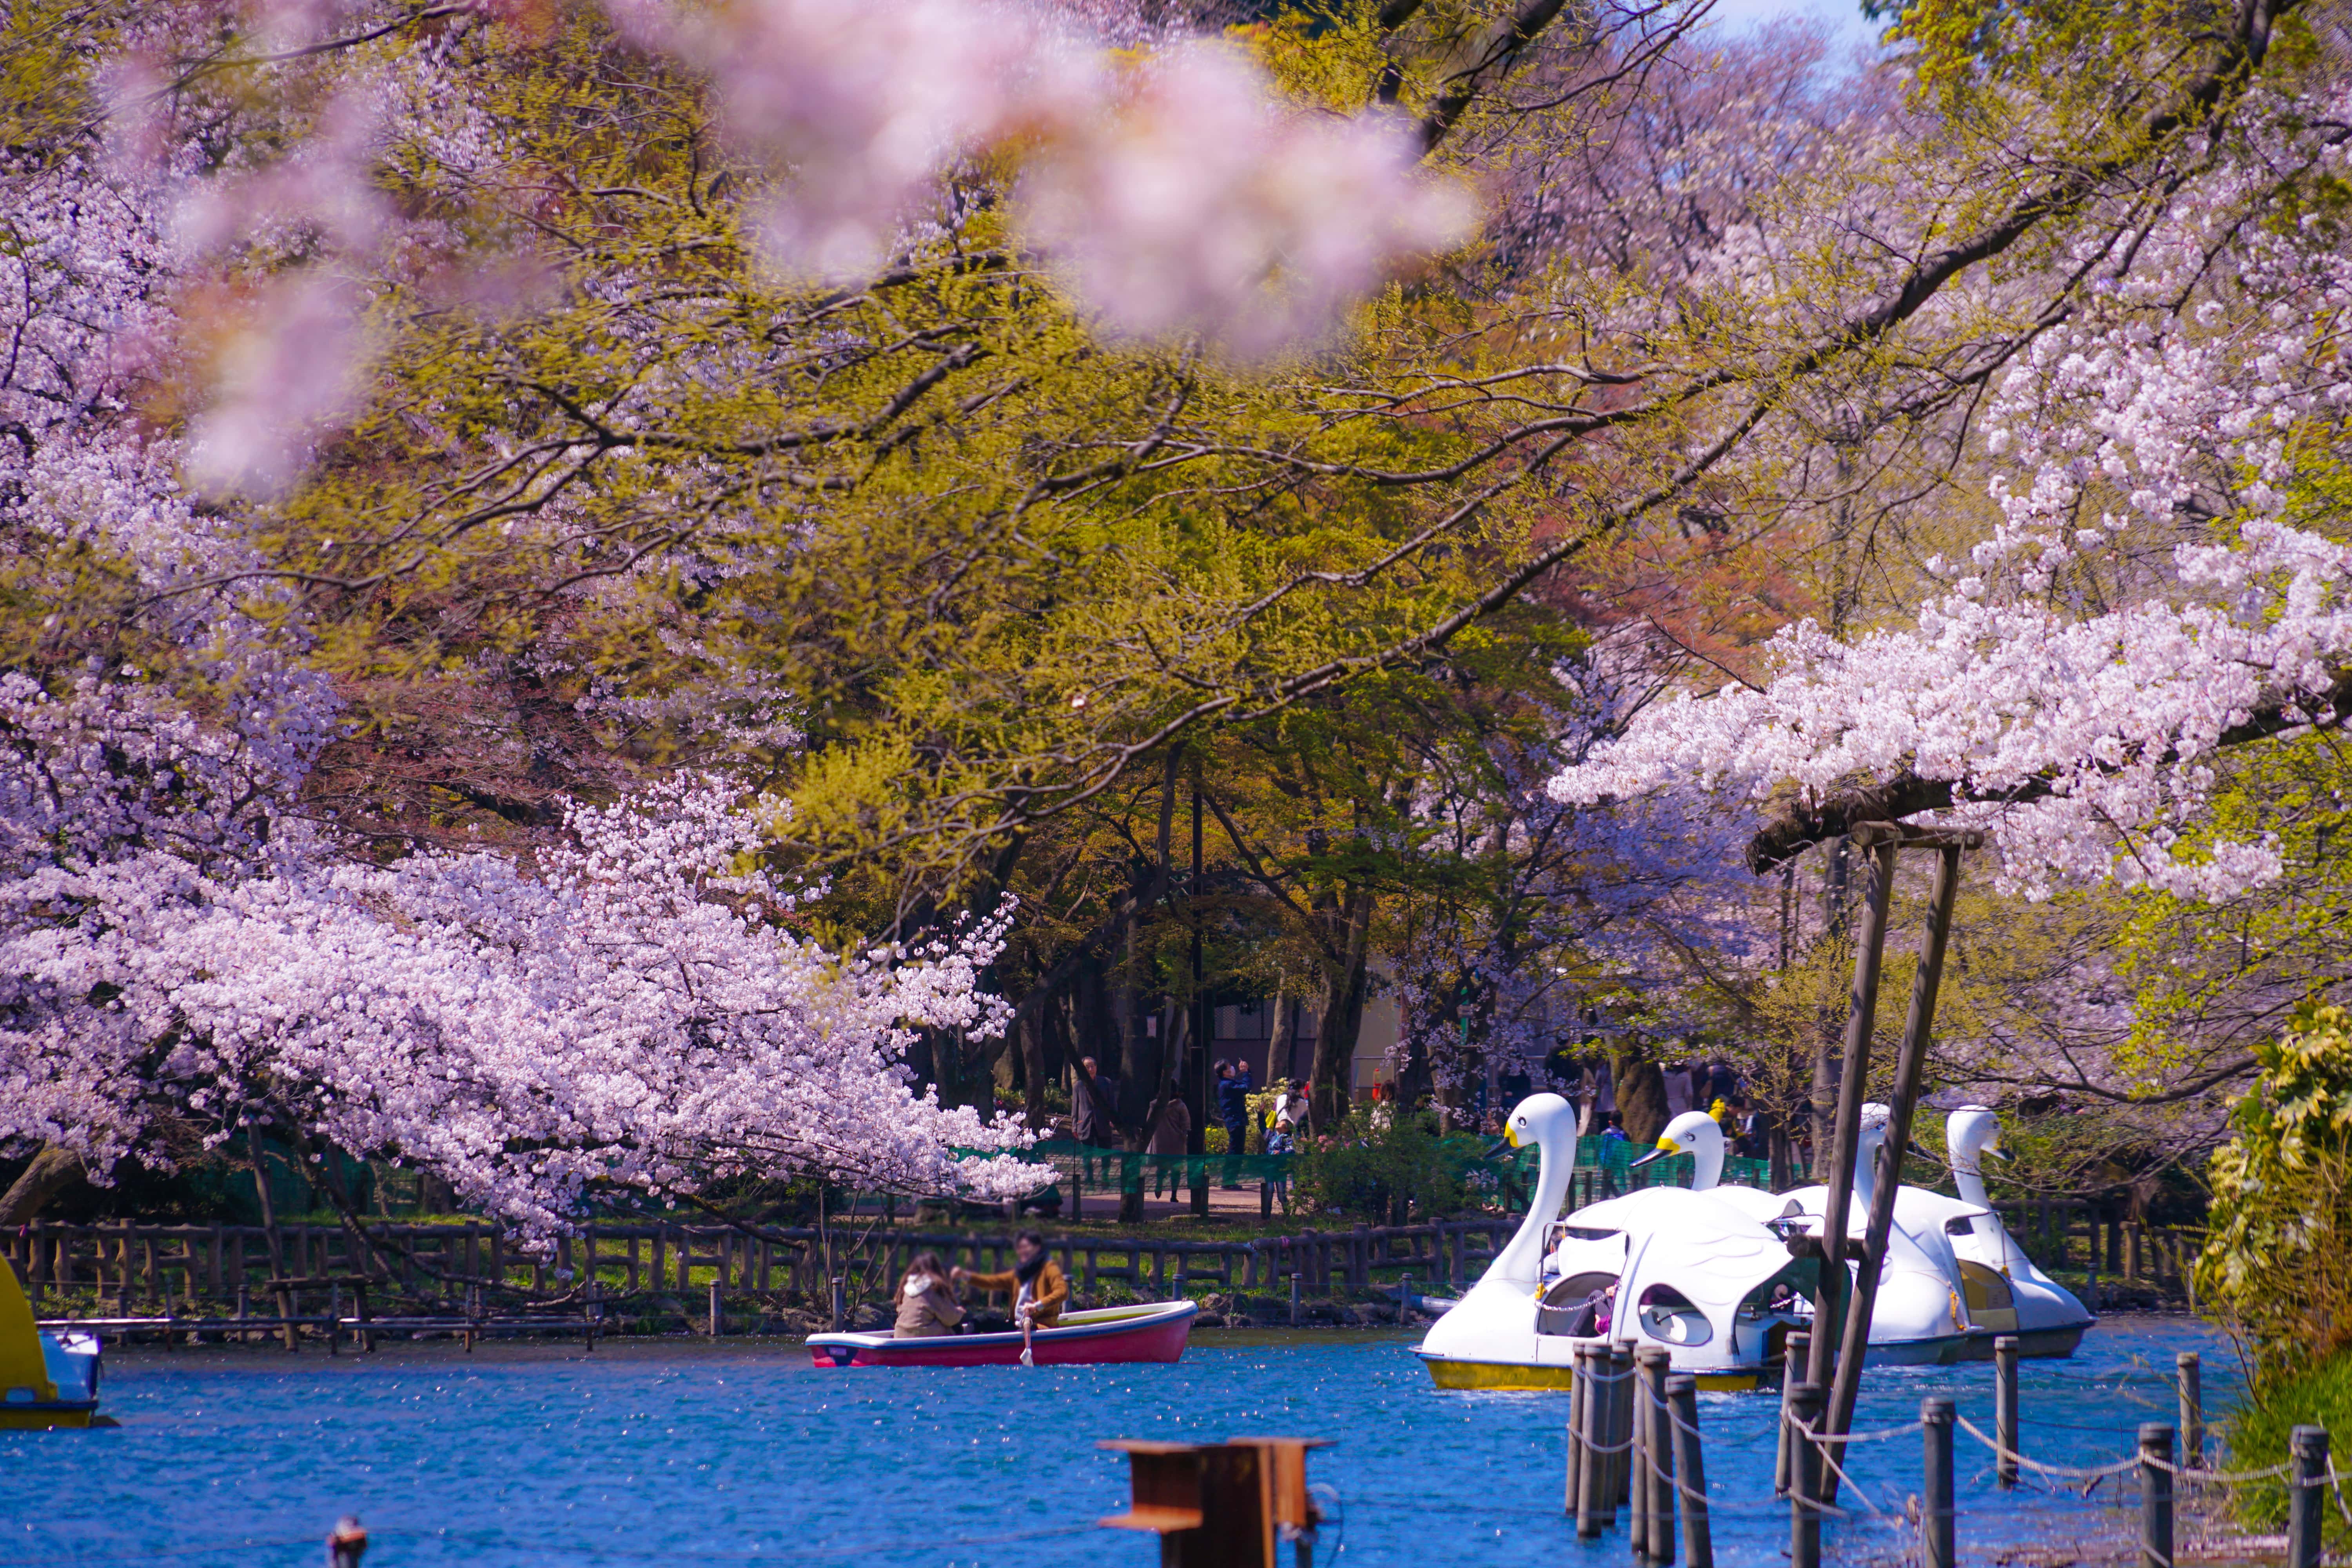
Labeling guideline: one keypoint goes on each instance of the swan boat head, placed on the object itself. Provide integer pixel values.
(1700, 1136)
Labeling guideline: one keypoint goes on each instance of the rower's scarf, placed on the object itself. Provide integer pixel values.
(1027, 1272)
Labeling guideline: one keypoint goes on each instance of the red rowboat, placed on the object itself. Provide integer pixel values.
(1154, 1331)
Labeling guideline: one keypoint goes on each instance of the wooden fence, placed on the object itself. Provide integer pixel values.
(125, 1266)
(185, 1267)
(2094, 1238)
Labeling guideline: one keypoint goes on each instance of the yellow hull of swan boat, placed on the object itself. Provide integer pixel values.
(1510, 1375)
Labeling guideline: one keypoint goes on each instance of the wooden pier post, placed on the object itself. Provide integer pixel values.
(2192, 1410)
(1690, 1469)
(1294, 1318)
(2155, 1495)
(1804, 1480)
(718, 1324)
(2307, 1449)
(1937, 1529)
(2004, 1408)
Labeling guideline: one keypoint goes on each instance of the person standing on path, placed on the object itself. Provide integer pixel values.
(1092, 1094)
(1233, 1109)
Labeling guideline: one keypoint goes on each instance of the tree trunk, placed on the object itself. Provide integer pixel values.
(1279, 1035)
(1029, 1036)
(1343, 1014)
(268, 1206)
(1641, 1090)
(53, 1170)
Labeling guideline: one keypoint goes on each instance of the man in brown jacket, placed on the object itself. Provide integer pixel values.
(1040, 1289)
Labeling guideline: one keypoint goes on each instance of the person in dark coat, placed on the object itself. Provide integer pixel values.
(1090, 1116)
(1232, 1110)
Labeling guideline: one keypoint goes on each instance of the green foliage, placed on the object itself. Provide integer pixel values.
(2278, 1265)
(2256, 1436)
(1376, 1157)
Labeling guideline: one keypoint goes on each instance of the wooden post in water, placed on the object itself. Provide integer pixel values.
(1655, 1419)
(335, 1319)
(1591, 1469)
(1794, 1357)
(1620, 1435)
(1579, 1391)
(2192, 1410)
(718, 1324)
(1690, 1469)
(1804, 1480)
(1638, 1509)
(2306, 1473)
(840, 1305)
(2004, 1408)
(1293, 1288)
(1937, 1528)
(2155, 1495)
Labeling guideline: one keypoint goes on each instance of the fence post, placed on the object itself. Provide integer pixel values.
(840, 1305)
(1795, 1348)
(2307, 1447)
(1805, 1478)
(1682, 1409)
(1938, 1529)
(2192, 1410)
(1294, 1287)
(2155, 1495)
(718, 1326)
(2004, 1408)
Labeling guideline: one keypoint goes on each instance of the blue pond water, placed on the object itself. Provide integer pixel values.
(681, 1452)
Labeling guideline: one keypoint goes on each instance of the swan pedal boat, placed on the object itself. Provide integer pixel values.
(1693, 1275)
(1153, 1331)
(48, 1377)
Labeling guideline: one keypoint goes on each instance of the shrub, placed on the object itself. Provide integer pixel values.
(1371, 1161)
(2276, 1270)
(2256, 1435)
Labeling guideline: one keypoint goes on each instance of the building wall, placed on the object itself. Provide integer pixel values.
(1243, 1034)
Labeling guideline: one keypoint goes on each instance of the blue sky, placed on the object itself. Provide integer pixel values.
(1843, 17)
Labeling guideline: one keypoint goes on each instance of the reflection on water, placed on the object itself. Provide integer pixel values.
(682, 1451)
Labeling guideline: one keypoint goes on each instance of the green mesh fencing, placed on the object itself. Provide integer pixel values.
(1604, 1168)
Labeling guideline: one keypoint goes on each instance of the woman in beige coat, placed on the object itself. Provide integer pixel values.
(926, 1301)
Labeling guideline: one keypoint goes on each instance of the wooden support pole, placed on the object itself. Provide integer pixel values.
(2155, 1495)
(1853, 1081)
(2004, 1408)
(1910, 1066)
(1690, 1469)
(1937, 1529)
